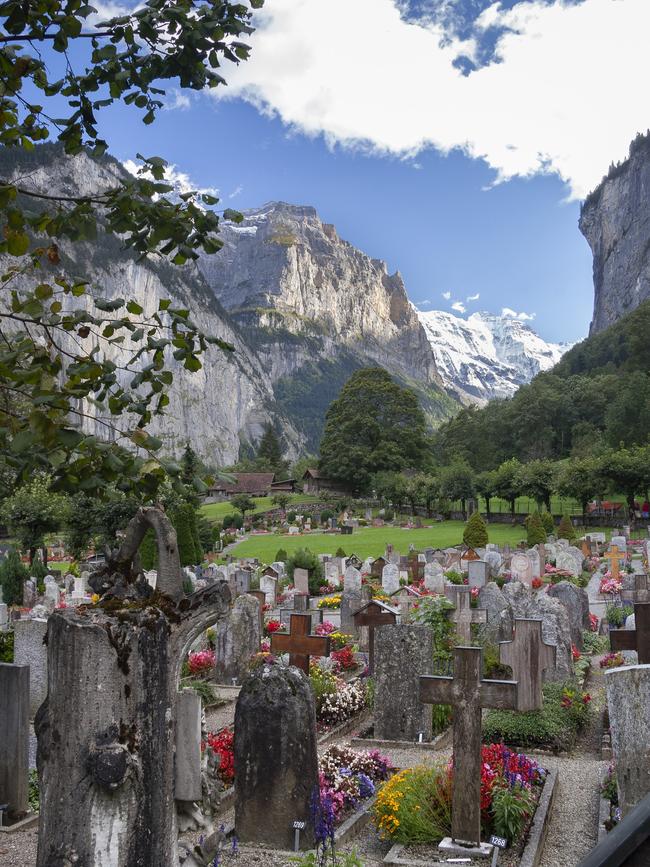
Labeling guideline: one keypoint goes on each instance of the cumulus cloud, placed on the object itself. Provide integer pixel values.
(458, 306)
(508, 313)
(446, 295)
(473, 297)
(176, 100)
(555, 97)
(236, 192)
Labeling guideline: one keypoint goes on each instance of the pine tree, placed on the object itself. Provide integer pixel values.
(12, 576)
(340, 552)
(184, 540)
(475, 533)
(536, 531)
(566, 530)
(189, 464)
(269, 450)
(281, 556)
(194, 529)
(548, 522)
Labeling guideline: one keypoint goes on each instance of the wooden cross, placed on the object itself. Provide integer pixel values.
(299, 644)
(373, 614)
(635, 639)
(528, 656)
(640, 592)
(614, 556)
(464, 615)
(468, 693)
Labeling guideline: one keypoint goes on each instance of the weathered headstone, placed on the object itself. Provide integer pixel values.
(468, 693)
(268, 585)
(434, 577)
(390, 578)
(30, 650)
(477, 573)
(521, 568)
(301, 580)
(528, 656)
(275, 757)
(350, 599)
(237, 639)
(535, 562)
(187, 767)
(576, 602)
(402, 654)
(14, 740)
(29, 593)
(464, 615)
(628, 698)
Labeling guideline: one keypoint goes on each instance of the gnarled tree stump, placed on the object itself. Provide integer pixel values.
(106, 732)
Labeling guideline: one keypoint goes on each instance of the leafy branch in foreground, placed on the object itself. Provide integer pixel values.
(81, 374)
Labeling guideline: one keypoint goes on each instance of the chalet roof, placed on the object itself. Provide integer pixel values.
(312, 473)
(247, 483)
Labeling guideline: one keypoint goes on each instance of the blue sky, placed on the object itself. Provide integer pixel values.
(452, 138)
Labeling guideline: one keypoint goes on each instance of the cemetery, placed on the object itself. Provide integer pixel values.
(296, 569)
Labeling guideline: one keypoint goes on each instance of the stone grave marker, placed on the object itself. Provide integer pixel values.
(434, 577)
(521, 568)
(628, 690)
(268, 584)
(535, 562)
(377, 567)
(237, 639)
(390, 578)
(635, 639)
(301, 581)
(276, 757)
(14, 741)
(372, 614)
(477, 573)
(402, 654)
(350, 599)
(29, 593)
(260, 595)
(464, 615)
(636, 588)
(468, 693)
(29, 650)
(528, 656)
(4, 616)
(299, 644)
(494, 560)
(187, 767)
(332, 573)
(619, 542)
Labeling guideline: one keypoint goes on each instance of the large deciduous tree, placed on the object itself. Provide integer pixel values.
(374, 425)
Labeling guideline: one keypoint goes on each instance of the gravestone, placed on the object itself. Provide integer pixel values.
(615, 557)
(535, 562)
(52, 595)
(30, 650)
(619, 542)
(299, 643)
(260, 595)
(576, 602)
(468, 693)
(275, 757)
(628, 699)
(29, 593)
(14, 740)
(434, 577)
(521, 568)
(301, 581)
(332, 573)
(187, 767)
(494, 561)
(377, 566)
(637, 639)
(402, 654)
(350, 599)
(390, 578)
(237, 639)
(4, 617)
(528, 657)
(268, 585)
(372, 615)
(477, 573)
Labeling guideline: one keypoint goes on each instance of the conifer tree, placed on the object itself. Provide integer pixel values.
(12, 576)
(536, 531)
(148, 551)
(269, 450)
(548, 522)
(475, 533)
(566, 530)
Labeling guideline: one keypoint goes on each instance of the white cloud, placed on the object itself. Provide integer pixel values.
(559, 98)
(458, 306)
(181, 181)
(176, 100)
(508, 313)
(473, 297)
(446, 295)
(236, 192)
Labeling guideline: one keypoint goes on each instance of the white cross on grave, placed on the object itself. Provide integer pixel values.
(468, 693)
(528, 656)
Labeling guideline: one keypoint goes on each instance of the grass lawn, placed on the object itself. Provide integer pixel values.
(217, 511)
(372, 541)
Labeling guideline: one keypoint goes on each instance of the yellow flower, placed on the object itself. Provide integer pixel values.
(94, 598)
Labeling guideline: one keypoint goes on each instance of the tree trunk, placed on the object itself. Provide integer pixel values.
(44, 554)
(107, 730)
(487, 506)
(512, 508)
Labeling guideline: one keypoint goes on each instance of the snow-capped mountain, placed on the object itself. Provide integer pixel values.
(485, 355)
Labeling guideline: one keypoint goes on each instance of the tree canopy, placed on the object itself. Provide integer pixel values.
(374, 425)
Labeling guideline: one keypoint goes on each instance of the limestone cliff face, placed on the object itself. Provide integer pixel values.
(615, 220)
(230, 399)
(306, 298)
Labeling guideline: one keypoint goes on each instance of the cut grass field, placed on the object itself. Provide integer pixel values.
(218, 511)
(372, 541)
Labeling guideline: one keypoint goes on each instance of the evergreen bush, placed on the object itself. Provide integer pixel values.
(12, 576)
(281, 556)
(566, 530)
(535, 530)
(548, 522)
(475, 533)
(340, 552)
(303, 558)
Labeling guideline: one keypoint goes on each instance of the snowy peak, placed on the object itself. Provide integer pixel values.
(487, 356)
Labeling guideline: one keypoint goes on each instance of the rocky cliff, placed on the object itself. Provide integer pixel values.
(615, 220)
(315, 308)
(487, 356)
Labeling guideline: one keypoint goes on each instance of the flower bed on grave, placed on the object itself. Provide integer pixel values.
(336, 700)
(609, 793)
(414, 806)
(564, 714)
(348, 777)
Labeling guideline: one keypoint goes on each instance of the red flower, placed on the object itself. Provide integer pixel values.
(575, 653)
(344, 658)
(536, 583)
(223, 745)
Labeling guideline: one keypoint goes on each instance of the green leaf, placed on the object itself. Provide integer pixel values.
(17, 243)
(134, 308)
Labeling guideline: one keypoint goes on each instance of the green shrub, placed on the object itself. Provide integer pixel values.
(454, 577)
(326, 515)
(475, 533)
(12, 576)
(548, 523)
(291, 517)
(340, 552)
(535, 530)
(303, 558)
(617, 615)
(594, 643)
(414, 806)
(510, 808)
(281, 556)
(566, 530)
(6, 647)
(33, 792)
(554, 727)
(389, 515)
